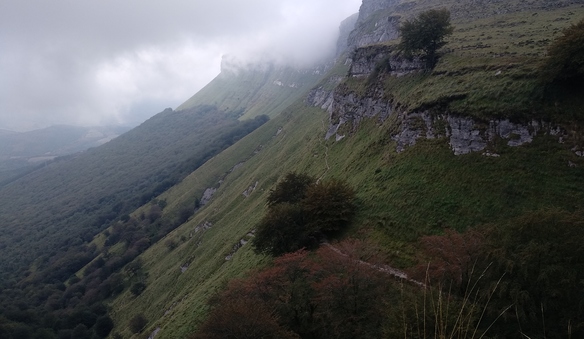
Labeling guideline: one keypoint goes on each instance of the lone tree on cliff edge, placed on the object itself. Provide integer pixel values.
(424, 35)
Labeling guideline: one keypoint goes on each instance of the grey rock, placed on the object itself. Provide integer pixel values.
(345, 29)
(464, 138)
(207, 195)
(366, 61)
(250, 189)
(202, 227)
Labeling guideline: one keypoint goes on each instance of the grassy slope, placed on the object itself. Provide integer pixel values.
(401, 196)
(491, 63)
(232, 215)
(252, 92)
(70, 199)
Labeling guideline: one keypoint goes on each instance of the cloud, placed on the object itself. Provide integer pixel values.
(107, 61)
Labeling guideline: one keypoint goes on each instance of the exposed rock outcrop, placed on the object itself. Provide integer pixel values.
(383, 28)
(369, 7)
(371, 59)
(242, 242)
(207, 195)
(464, 134)
(379, 20)
(345, 30)
(250, 189)
(348, 107)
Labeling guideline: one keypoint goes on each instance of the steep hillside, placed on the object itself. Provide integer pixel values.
(456, 149)
(402, 196)
(49, 215)
(20, 152)
(255, 90)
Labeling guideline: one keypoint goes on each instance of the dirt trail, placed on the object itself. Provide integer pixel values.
(381, 268)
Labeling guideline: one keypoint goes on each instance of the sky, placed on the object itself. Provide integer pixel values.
(107, 62)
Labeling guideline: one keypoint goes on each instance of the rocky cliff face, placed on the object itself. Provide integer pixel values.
(464, 134)
(345, 29)
(375, 58)
(347, 108)
(381, 29)
(376, 23)
(379, 20)
(369, 7)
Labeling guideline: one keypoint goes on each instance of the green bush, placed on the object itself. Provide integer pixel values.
(301, 213)
(292, 189)
(137, 323)
(565, 59)
(103, 326)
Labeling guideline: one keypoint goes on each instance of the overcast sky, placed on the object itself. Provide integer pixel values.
(96, 62)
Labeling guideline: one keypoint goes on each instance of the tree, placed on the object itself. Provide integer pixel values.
(282, 230)
(81, 332)
(424, 35)
(565, 59)
(300, 213)
(292, 189)
(103, 326)
(233, 319)
(329, 206)
(137, 323)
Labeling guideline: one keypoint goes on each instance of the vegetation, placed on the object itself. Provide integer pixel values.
(324, 295)
(491, 66)
(252, 91)
(54, 267)
(522, 276)
(565, 59)
(424, 35)
(137, 323)
(301, 213)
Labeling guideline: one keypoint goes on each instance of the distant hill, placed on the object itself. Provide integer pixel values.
(20, 151)
(255, 90)
(56, 140)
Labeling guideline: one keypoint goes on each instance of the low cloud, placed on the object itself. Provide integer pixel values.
(119, 62)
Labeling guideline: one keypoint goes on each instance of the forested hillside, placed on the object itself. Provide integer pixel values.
(51, 214)
(22, 152)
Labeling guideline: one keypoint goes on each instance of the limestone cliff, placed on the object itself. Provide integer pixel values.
(345, 29)
(379, 20)
(348, 107)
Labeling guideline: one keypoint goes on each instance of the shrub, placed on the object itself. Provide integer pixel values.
(292, 189)
(329, 206)
(137, 323)
(301, 213)
(103, 326)
(304, 295)
(565, 59)
(541, 259)
(234, 320)
(137, 288)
